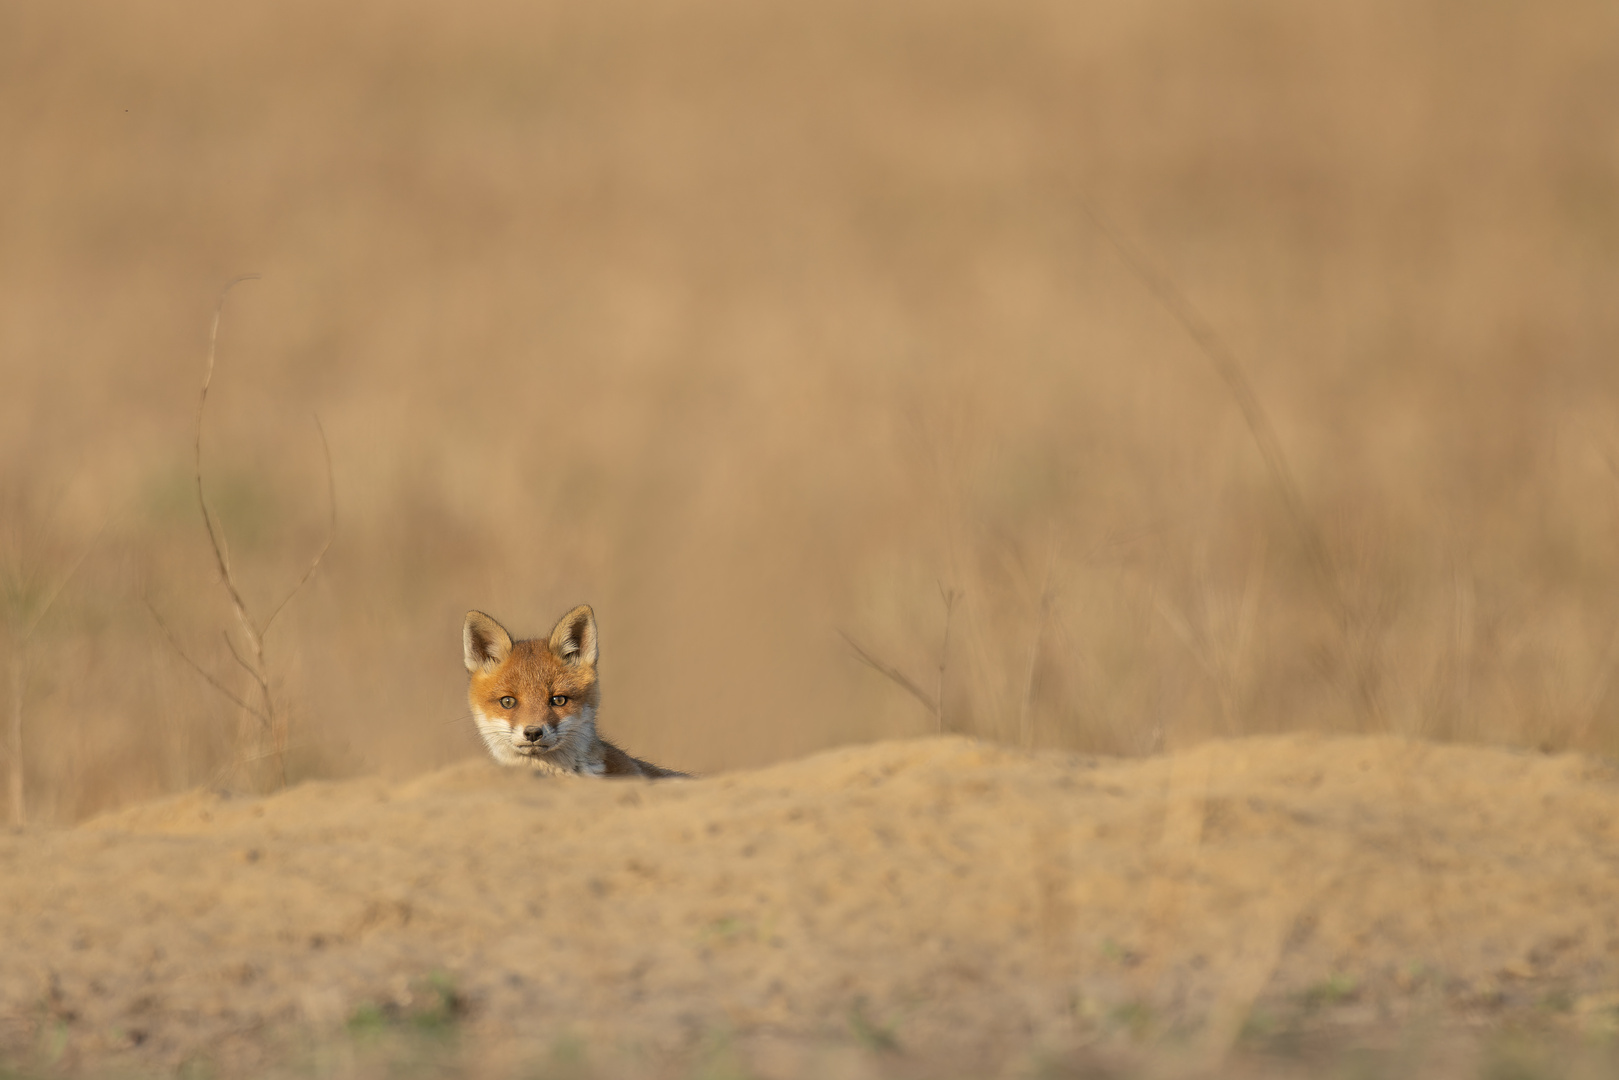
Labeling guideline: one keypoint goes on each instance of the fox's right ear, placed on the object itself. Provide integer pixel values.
(485, 642)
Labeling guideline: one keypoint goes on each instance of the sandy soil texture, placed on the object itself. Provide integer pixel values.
(930, 907)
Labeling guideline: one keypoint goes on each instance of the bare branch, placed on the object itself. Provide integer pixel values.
(898, 677)
(265, 754)
(218, 527)
(253, 673)
(21, 577)
(198, 668)
(331, 530)
(85, 554)
(1226, 365)
(226, 768)
(253, 662)
(215, 537)
(1025, 730)
(1230, 370)
(949, 596)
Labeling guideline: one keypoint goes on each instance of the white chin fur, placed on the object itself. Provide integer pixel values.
(570, 754)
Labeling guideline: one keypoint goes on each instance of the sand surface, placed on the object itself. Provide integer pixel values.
(930, 907)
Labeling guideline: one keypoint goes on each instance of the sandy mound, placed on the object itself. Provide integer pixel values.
(936, 906)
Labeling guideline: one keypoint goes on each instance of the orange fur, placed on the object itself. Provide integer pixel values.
(535, 700)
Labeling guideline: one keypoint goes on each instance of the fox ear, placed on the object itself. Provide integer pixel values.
(574, 638)
(485, 642)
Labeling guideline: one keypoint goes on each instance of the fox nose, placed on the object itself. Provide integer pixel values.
(533, 732)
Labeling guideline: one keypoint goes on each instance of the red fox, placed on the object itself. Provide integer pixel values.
(535, 701)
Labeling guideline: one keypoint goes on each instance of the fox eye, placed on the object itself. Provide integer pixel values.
(559, 700)
(508, 702)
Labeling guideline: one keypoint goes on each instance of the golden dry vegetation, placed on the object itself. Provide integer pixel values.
(863, 365)
(750, 324)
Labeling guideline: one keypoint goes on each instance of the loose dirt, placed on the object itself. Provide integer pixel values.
(936, 907)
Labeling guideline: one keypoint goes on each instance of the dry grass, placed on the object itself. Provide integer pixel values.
(753, 323)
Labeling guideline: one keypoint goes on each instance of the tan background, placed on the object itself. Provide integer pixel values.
(751, 323)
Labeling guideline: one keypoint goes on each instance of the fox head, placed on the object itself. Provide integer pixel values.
(533, 700)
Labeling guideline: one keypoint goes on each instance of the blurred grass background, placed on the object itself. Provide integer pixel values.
(754, 323)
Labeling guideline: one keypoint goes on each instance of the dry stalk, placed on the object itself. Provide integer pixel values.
(1589, 718)
(893, 674)
(207, 676)
(1221, 645)
(14, 745)
(266, 721)
(949, 596)
(22, 635)
(933, 703)
(1364, 695)
(1025, 728)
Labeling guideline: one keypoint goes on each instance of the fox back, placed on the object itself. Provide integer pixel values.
(535, 701)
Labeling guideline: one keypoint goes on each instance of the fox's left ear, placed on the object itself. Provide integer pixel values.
(574, 638)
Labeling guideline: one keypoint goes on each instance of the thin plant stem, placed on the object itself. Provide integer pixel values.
(949, 596)
(271, 720)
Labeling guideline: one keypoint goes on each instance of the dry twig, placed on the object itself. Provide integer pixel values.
(949, 596)
(270, 715)
(1351, 627)
(934, 703)
(21, 637)
(1025, 727)
(893, 674)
